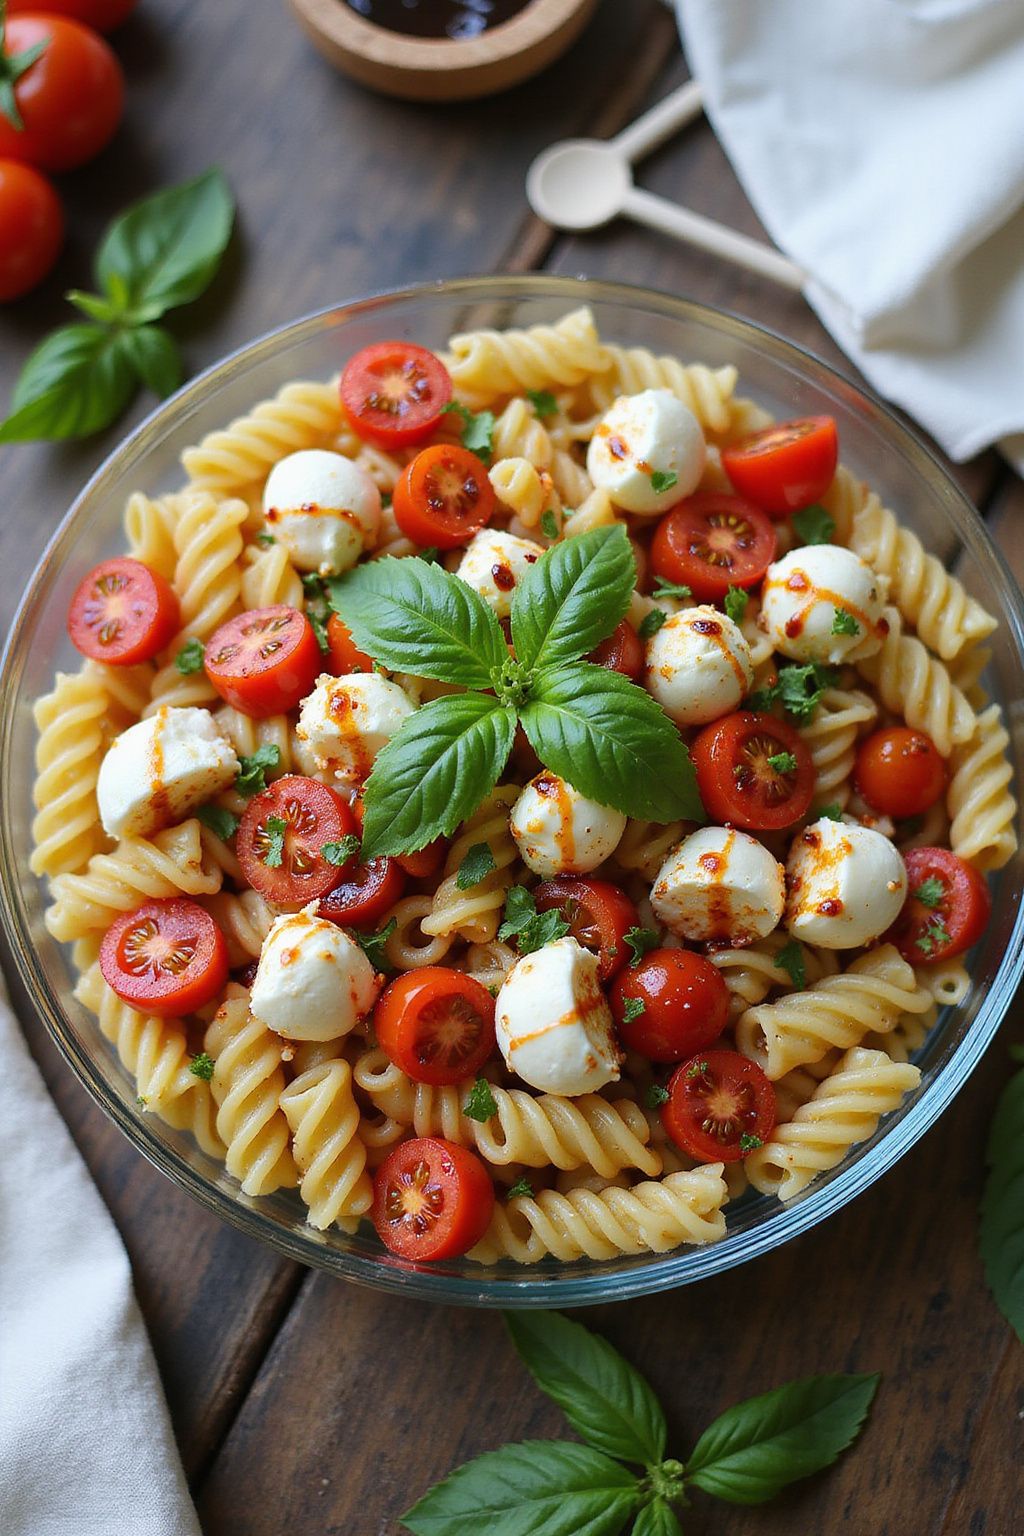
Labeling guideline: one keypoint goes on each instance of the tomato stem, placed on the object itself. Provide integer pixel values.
(12, 67)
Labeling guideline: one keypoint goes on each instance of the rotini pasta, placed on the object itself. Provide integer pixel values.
(324, 1122)
(918, 686)
(831, 735)
(247, 1084)
(980, 804)
(71, 721)
(304, 415)
(487, 364)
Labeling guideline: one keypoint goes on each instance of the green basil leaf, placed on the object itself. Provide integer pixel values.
(573, 597)
(536, 1488)
(1002, 1209)
(759, 1446)
(415, 617)
(604, 1398)
(156, 358)
(435, 772)
(657, 1519)
(612, 742)
(165, 249)
(476, 866)
(75, 382)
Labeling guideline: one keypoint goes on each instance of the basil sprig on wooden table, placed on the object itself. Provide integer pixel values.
(560, 1488)
(160, 254)
(592, 727)
(1002, 1210)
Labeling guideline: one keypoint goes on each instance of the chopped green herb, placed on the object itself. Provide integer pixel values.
(831, 812)
(543, 402)
(844, 623)
(696, 1069)
(521, 1187)
(530, 929)
(632, 1008)
(312, 584)
(223, 824)
(797, 689)
(265, 540)
(549, 523)
(477, 864)
(672, 589)
(814, 525)
(339, 853)
(430, 553)
(201, 1066)
(318, 608)
(190, 658)
(782, 762)
(251, 778)
(934, 934)
(477, 429)
(750, 1143)
(140, 1101)
(930, 892)
(651, 623)
(373, 945)
(663, 480)
(480, 1104)
(656, 1095)
(790, 959)
(735, 604)
(640, 940)
(276, 827)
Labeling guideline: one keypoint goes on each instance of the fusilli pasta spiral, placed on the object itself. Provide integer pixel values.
(324, 1120)
(247, 1083)
(979, 801)
(916, 685)
(139, 869)
(302, 415)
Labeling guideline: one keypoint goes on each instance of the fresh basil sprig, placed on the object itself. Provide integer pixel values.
(591, 726)
(160, 254)
(555, 1487)
(1002, 1210)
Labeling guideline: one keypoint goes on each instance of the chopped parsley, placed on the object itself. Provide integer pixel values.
(521, 1187)
(265, 539)
(318, 608)
(844, 623)
(530, 929)
(476, 866)
(652, 622)
(480, 1104)
(430, 553)
(930, 892)
(632, 1008)
(190, 658)
(223, 824)
(735, 604)
(656, 1095)
(831, 812)
(672, 589)
(252, 772)
(372, 945)
(141, 1102)
(934, 934)
(814, 525)
(696, 1069)
(201, 1066)
(477, 429)
(275, 827)
(549, 523)
(663, 480)
(782, 762)
(790, 959)
(797, 689)
(750, 1143)
(339, 853)
(543, 402)
(640, 940)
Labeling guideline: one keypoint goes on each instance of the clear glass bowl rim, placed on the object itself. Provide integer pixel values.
(544, 1289)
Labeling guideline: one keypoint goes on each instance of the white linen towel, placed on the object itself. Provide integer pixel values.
(882, 144)
(86, 1447)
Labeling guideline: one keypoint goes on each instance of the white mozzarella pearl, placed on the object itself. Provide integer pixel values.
(345, 722)
(698, 665)
(558, 831)
(313, 981)
(823, 603)
(492, 565)
(718, 885)
(643, 435)
(324, 509)
(846, 883)
(158, 770)
(553, 1023)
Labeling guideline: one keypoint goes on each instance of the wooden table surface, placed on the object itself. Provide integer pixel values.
(307, 1406)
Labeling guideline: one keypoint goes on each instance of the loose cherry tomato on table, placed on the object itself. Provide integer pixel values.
(670, 1004)
(753, 771)
(104, 15)
(363, 893)
(436, 1024)
(623, 651)
(900, 772)
(122, 613)
(69, 100)
(167, 957)
(712, 542)
(282, 835)
(31, 229)
(264, 661)
(947, 907)
(785, 467)
(431, 1200)
(443, 497)
(599, 915)
(395, 393)
(343, 655)
(720, 1107)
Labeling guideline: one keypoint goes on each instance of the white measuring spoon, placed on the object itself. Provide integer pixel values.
(583, 183)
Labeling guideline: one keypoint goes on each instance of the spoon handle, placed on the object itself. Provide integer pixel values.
(695, 229)
(661, 122)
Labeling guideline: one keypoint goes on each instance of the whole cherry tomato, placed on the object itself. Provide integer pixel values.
(31, 229)
(670, 1004)
(69, 99)
(104, 15)
(899, 772)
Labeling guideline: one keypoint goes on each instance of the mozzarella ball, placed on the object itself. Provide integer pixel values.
(493, 563)
(553, 1023)
(558, 831)
(698, 665)
(847, 884)
(823, 603)
(720, 885)
(158, 770)
(647, 435)
(324, 509)
(313, 981)
(345, 721)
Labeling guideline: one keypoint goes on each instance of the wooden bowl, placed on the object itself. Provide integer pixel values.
(441, 69)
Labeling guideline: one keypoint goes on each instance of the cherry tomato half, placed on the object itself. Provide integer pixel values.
(122, 613)
(31, 229)
(264, 661)
(623, 651)
(343, 655)
(712, 542)
(753, 771)
(104, 15)
(395, 393)
(443, 497)
(431, 1200)
(69, 100)
(899, 772)
(599, 915)
(426, 862)
(785, 467)
(436, 1024)
(720, 1107)
(364, 893)
(166, 957)
(947, 907)
(281, 837)
(672, 1003)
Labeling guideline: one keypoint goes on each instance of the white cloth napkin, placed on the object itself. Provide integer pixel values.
(86, 1447)
(882, 144)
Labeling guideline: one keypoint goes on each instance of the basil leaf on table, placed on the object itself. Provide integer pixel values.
(1002, 1209)
(165, 250)
(606, 1401)
(536, 1488)
(156, 358)
(75, 382)
(611, 740)
(572, 598)
(757, 1447)
(657, 1519)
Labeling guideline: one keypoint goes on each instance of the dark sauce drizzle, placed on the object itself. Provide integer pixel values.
(439, 18)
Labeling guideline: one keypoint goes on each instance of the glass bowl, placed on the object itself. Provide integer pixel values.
(790, 383)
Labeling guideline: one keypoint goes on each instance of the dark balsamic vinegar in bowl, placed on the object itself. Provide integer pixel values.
(455, 19)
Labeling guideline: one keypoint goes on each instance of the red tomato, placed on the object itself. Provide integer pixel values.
(712, 542)
(685, 1004)
(425, 862)
(104, 15)
(720, 1107)
(436, 1024)
(753, 771)
(264, 661)
(623, 651)
(69, 100)
(122, 613)
(443, 497)
(599, 915)
(899, 772)
(166, 957)
(364, 893)
(395, 393)
(289, 825)
(947, 907)
(343, 655)
(785, 467)
(31, 229)
(431, 1200)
